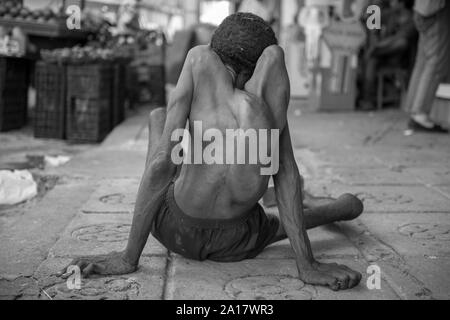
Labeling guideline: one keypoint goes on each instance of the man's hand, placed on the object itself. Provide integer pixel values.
(336, 277)
(110, 264)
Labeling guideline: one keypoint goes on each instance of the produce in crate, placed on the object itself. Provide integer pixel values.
(83, 55)
(77, 55)
(24, 12)
(14, 12)
(10, 10)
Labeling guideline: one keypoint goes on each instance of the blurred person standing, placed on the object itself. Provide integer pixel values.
(268, 10)
(395, 48)
(432, 19)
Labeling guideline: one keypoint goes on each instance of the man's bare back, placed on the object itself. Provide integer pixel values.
(223, 191)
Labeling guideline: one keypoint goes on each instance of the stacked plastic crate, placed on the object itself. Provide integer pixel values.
(51, 90)
(89, 101)
(13, 93)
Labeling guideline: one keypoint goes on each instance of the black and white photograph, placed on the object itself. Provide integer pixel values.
(224, 158)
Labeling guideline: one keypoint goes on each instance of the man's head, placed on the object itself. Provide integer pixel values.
(240, 40)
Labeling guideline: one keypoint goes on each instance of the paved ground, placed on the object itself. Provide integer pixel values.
(404, 181)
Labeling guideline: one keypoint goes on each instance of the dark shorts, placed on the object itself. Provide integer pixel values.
(217, 240)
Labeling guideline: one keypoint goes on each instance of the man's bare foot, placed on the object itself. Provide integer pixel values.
(323, 211)
(348, 207)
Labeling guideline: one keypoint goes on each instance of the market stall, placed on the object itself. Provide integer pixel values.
(85, 78)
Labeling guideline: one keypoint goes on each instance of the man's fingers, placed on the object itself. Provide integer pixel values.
(344, 282)
(78, 263)
(342, 277)
(334, 284)
(328, 281)
(337, 277)
(328, 267)
(348, 269)
(82, 264)
(90, 269)
(99, 268)
(352, 278)
(63, 273)
(355, 279)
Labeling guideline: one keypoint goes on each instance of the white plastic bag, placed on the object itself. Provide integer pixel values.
(16, 186)
(56, 161)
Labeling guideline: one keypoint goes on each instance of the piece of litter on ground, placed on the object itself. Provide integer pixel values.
(9, 277)
(35, 161)
(408, 133)
(45, 292)
(16, 186)
(56, 161)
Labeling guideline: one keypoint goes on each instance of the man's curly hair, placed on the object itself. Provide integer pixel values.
(241, 39)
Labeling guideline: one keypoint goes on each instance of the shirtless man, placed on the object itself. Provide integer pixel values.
(211, 212)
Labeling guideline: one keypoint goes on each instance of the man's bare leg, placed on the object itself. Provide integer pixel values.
(310, 201)
(346, 208)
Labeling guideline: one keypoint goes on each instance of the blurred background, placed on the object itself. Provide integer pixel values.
(370, 87)
(72, 69)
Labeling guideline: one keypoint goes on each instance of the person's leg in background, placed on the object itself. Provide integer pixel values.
(416, 76)
(434, 53)
(369, 90)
